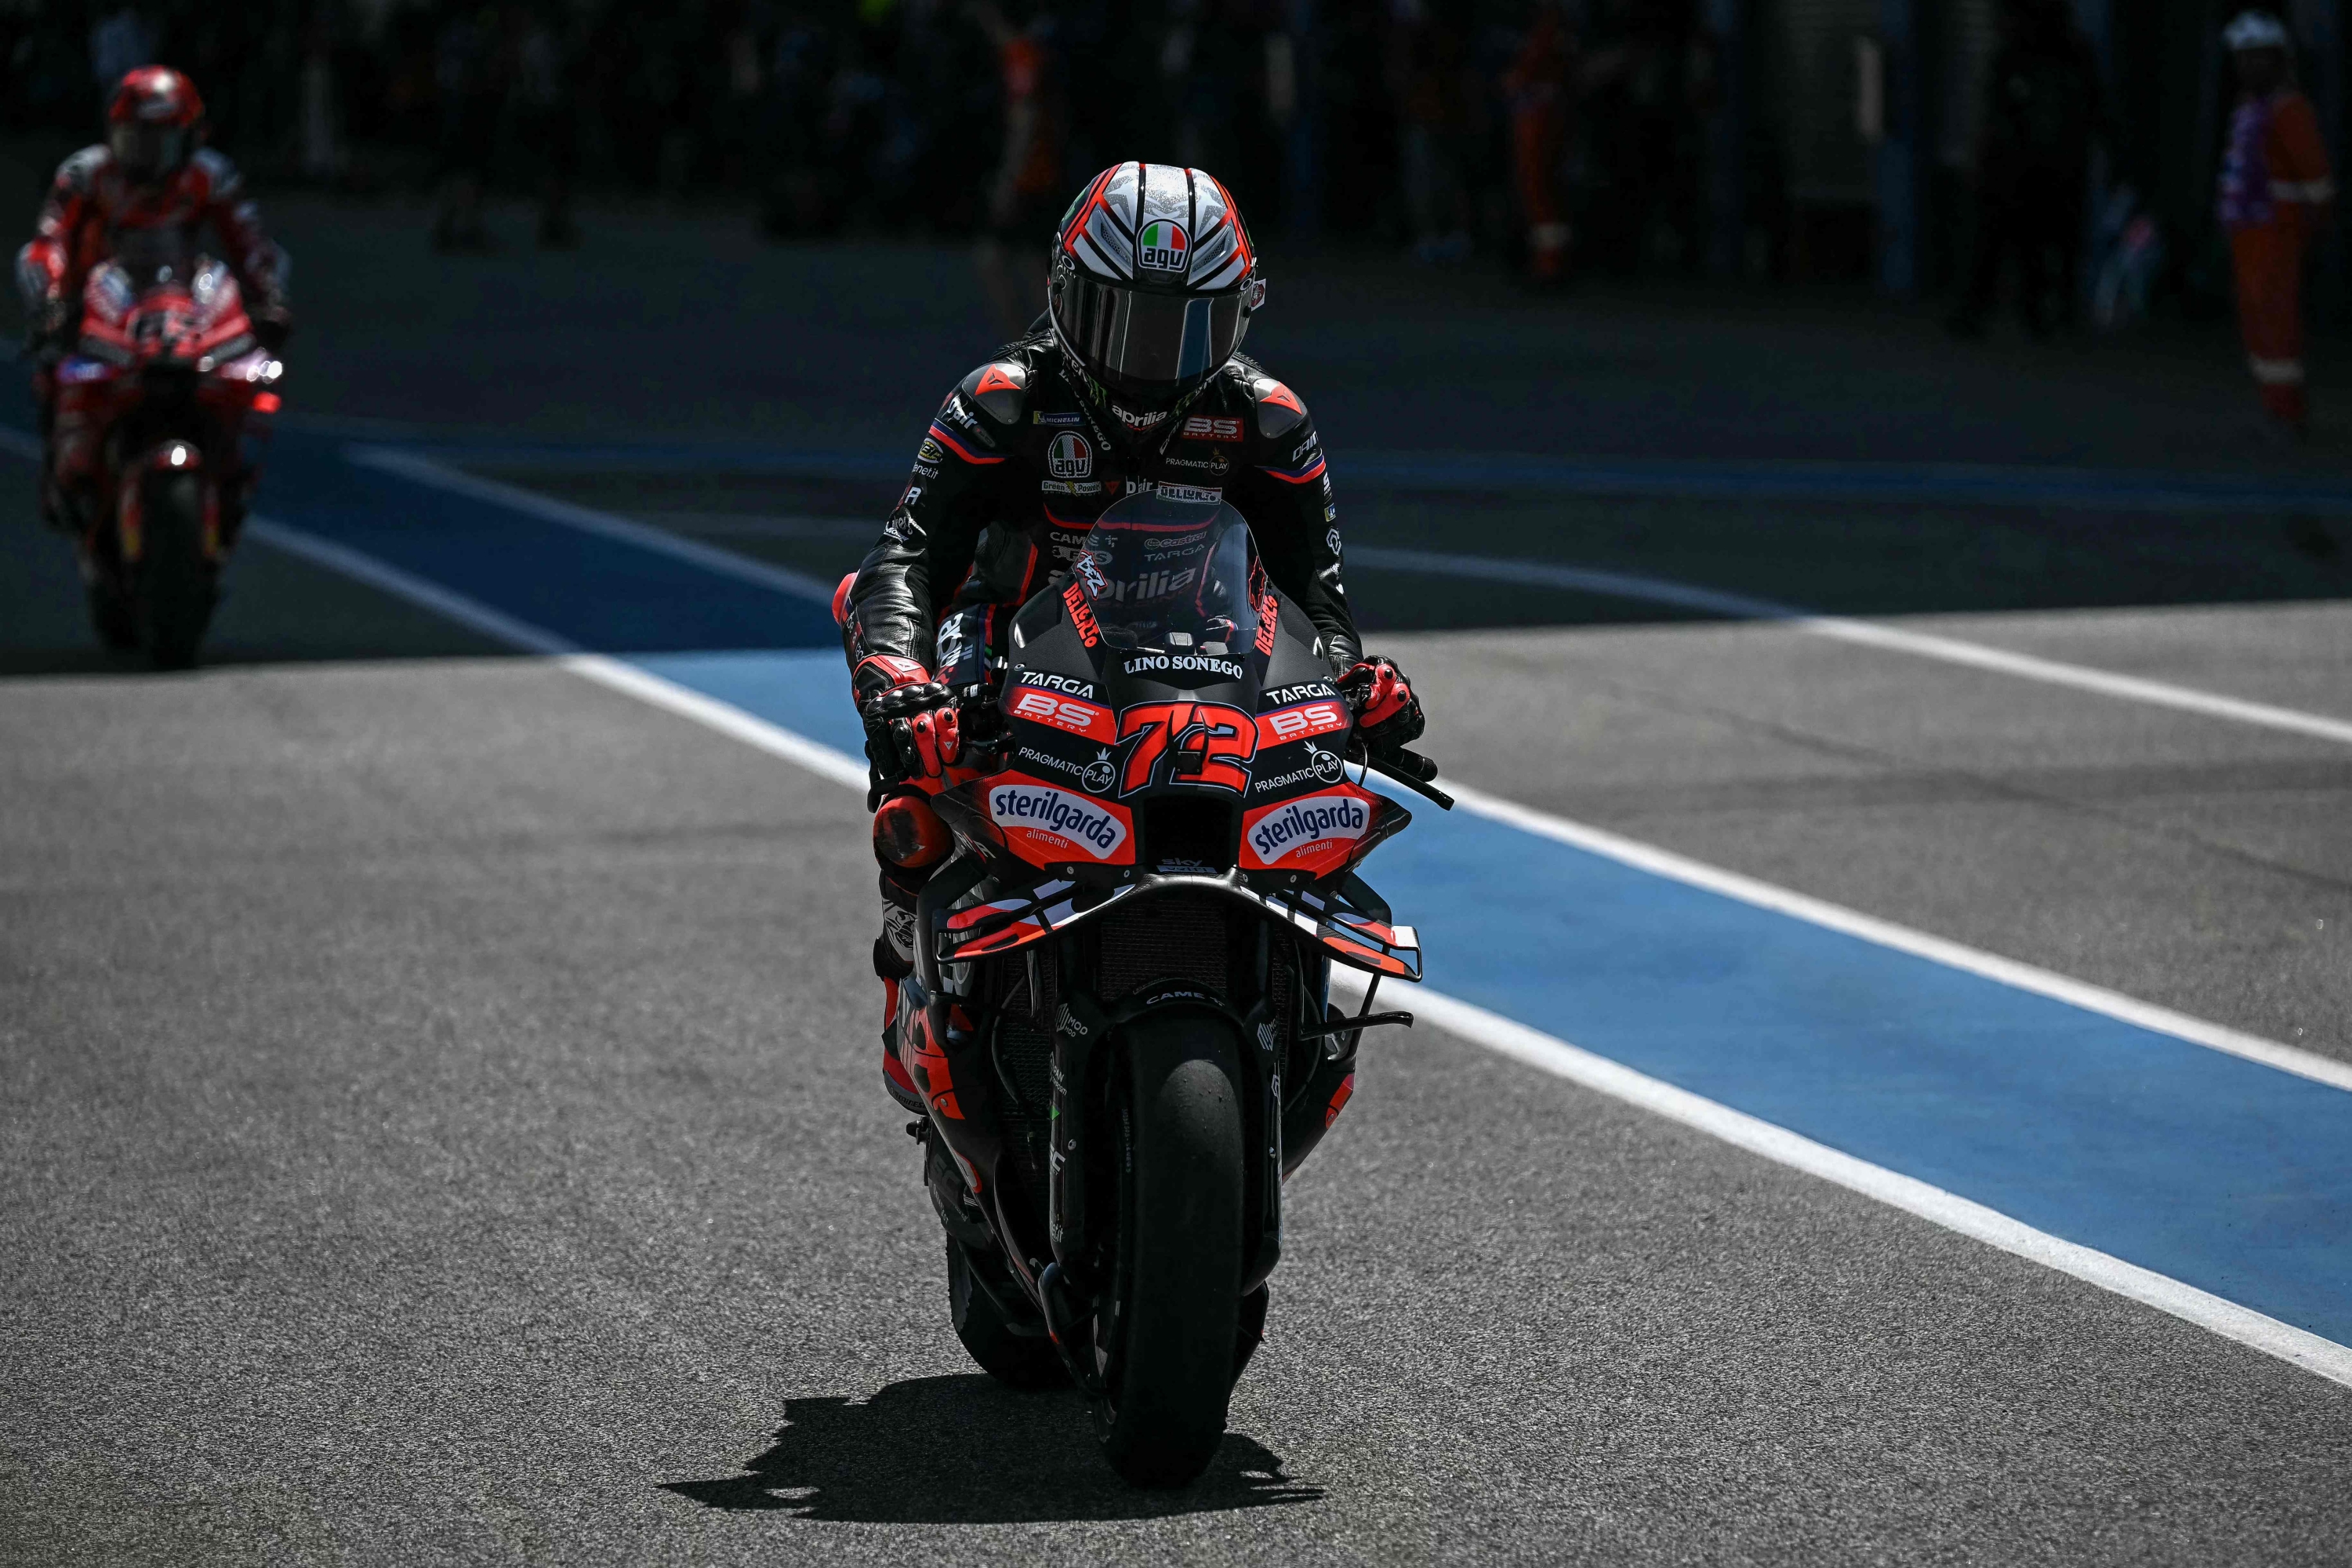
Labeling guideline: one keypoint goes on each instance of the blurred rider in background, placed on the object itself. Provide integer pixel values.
(141, 197)
(2276, 190)
(1132, 381)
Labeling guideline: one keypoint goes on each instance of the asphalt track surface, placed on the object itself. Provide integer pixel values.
(440, 1122)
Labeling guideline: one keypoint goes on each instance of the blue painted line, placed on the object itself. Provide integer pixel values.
(1951, 484)
(2225, 1174)
(2217, 1171)
(600, 593)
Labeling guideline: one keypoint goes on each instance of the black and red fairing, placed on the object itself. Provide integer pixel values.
(1166, 712)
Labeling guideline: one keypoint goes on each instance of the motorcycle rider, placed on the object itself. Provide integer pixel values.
(140, 197)
(1130, 380)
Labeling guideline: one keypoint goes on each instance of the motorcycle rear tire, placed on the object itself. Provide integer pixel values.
(172, 586)
(1171, 1344)
(1017, 1360)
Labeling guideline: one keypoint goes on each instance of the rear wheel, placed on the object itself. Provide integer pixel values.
(1020, 1354)
(173, 583)
(1168, 1345)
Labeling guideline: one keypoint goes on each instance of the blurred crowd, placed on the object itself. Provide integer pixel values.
(1444, 126)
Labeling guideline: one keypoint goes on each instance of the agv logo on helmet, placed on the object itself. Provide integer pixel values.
(1161, 247)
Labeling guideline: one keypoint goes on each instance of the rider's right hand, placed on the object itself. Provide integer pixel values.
(911, 730)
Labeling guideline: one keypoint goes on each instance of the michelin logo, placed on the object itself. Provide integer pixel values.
(1316, 819)
(1056, 811)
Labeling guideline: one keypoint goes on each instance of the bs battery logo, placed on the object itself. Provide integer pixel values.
(1162, 247)
(1069, 457)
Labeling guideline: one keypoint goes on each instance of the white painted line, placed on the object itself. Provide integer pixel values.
(1954, 1213)
(626, 678)
(1502, 1035)
(1902, 939)
(821, 760)
(1864, 634)
(471, 614)
(547, 509)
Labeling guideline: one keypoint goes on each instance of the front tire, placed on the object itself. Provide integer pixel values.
(1169, 1360)
(172, 586)
(113, 618)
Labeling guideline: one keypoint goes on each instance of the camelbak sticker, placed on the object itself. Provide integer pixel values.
(1312, 832)
(1050, 823)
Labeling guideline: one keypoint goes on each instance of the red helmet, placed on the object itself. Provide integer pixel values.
(155, 121)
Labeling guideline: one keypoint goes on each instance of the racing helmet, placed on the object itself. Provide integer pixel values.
(154, 122)
(1153, 285)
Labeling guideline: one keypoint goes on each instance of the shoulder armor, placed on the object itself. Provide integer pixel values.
(219, 171)
(1278, 408)
(80, 171)
(998, 389)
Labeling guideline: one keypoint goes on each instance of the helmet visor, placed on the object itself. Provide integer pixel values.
(143, 151)
(1148, 345)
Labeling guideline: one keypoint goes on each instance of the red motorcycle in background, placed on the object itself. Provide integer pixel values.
(158, 411)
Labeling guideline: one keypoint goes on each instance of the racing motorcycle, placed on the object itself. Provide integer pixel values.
(1118, 1034)
(169, 382)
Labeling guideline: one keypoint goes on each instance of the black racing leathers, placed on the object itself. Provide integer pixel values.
(1017, 465)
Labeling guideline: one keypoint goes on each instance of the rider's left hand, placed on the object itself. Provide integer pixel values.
(1388, 715)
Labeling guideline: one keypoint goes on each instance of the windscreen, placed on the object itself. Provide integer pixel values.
(1172, 575)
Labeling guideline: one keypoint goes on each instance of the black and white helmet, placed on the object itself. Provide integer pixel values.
(1154, 283)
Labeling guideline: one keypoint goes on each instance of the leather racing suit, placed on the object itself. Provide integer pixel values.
(94, 213)
(1017, 465)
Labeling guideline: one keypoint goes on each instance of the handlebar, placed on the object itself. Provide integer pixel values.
(1409, 769)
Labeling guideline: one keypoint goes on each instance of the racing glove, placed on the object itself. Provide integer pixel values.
(910, 720)
(1388, 715)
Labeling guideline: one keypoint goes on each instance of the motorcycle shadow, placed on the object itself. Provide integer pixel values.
(968, 1450)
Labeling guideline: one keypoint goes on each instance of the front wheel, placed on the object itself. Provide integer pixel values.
(174, 582)
(1168, 1345)
(113, 618)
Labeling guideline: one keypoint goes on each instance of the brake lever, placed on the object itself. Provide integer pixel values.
(1401, 771)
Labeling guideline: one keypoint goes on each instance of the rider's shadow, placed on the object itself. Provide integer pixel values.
(967, 1450)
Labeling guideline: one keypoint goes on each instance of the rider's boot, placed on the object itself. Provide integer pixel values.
(893, 965)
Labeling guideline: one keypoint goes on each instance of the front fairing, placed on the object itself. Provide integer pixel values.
(1146, 746)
